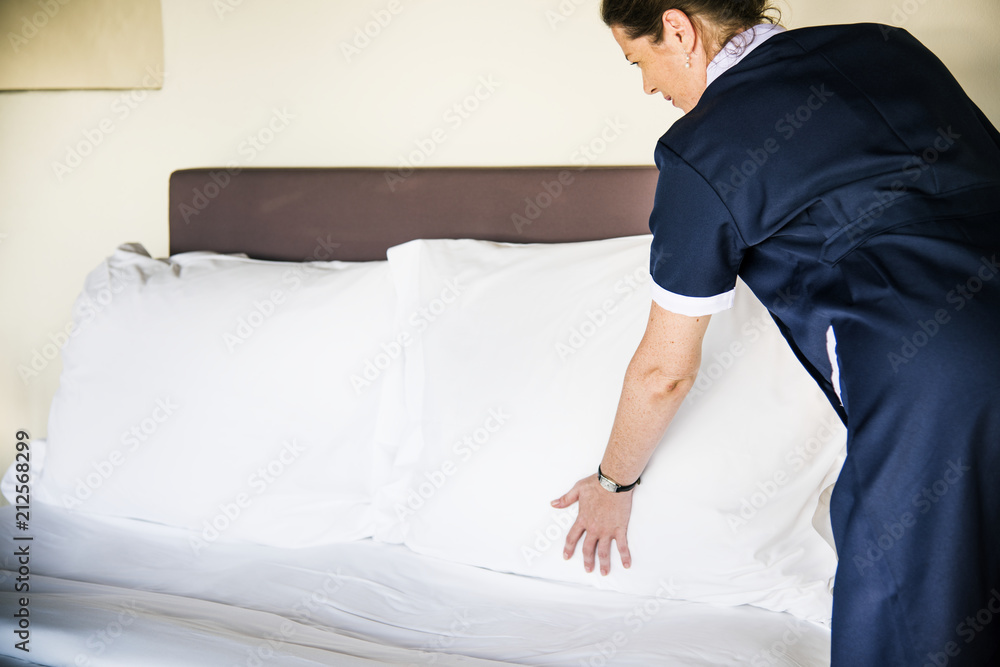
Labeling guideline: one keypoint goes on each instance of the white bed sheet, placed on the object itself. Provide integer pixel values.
(134, 594)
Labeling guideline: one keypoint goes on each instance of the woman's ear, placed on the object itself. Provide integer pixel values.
(679, 29)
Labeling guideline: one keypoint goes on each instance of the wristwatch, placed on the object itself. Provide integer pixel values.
(613, 486)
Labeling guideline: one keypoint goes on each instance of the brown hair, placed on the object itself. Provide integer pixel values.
(642, 18)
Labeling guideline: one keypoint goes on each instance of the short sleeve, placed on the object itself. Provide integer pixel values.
(696, 251)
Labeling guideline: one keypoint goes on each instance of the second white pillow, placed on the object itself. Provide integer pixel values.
(515, 359)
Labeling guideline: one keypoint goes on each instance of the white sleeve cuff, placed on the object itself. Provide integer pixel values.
(692, 306)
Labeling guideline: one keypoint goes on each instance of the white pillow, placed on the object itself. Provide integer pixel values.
(515, 365)
(235, 397)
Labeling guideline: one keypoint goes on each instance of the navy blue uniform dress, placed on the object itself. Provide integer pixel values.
(843, 173)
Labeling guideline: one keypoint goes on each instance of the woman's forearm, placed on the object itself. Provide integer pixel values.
(660, 374)
(650, 398)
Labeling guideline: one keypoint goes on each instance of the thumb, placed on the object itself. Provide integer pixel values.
(568, 499)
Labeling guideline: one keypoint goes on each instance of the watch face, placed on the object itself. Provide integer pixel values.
(608, 484)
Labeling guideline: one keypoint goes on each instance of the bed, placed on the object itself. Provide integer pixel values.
(327, 428)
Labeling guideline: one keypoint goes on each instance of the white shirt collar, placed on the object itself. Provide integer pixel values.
(732, 52)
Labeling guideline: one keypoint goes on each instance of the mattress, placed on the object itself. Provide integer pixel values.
(123, 592)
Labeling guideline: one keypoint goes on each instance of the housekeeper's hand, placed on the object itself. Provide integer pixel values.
(603, 517)
(660, 374)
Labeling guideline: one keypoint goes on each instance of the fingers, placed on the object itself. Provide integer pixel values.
(604, 555)
(592, 545)
(572, 537)
(622, 541)
(604, 552)
(589, 546)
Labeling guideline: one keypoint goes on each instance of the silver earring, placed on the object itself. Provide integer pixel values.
(688, 63)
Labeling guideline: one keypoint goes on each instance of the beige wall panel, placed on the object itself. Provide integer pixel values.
(60, 44)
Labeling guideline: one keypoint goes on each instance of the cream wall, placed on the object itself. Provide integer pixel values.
(232, 65)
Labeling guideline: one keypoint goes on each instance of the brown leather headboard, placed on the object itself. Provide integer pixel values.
(354, 214)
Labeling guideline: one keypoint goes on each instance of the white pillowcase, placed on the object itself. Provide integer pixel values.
(515, 356)
(238, 398)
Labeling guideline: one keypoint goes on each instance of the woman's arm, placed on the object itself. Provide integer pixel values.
(658, 378)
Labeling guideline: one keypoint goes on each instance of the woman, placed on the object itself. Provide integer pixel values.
(842, 172)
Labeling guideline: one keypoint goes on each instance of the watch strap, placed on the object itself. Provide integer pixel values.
(612, 485)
